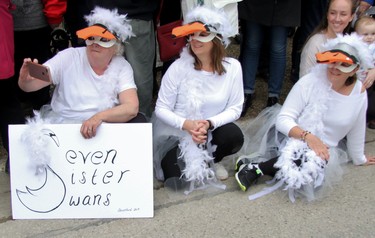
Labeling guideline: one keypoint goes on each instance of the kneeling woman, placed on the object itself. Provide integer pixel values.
(200, 97)
(324, 107)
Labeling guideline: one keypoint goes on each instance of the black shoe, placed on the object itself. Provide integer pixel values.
(247, 175)
(272, 101)
(246, 103)
(246, 159)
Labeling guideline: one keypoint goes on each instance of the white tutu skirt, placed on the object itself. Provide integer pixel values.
(195, 162)
(310, 178)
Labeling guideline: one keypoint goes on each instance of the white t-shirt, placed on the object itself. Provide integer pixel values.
(308, 58)
(218, 98)
(345, 115)
(80, 92)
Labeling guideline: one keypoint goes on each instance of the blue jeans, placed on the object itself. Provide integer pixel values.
(253, 36)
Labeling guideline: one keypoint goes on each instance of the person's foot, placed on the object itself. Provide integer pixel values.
(240, 161)
(246, 103)
(220, 172)
(247, 175)
(272, 101)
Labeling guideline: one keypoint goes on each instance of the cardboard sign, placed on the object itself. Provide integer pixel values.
(108, 176)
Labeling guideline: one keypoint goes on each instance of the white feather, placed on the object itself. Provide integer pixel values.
(115, 22)
(355, 41)
(214, 17)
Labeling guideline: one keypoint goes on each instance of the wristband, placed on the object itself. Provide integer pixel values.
(210, 126)
(304, 134)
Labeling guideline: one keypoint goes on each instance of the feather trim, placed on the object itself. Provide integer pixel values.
(214, 17)
(310, 173)
(197, 159)
(116, 23)
(35, 139)
(355, 41)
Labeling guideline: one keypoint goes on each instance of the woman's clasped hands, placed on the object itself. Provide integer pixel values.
(197, 129)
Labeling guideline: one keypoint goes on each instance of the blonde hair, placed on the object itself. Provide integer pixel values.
(363, 21)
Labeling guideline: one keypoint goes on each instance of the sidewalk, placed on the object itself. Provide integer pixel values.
(347, 211)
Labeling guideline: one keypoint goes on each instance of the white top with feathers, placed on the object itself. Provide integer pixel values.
(345, 115)
(220, 96)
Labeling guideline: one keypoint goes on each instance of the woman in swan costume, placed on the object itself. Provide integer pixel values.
(93, 84)
(320, 126)
(200, 97)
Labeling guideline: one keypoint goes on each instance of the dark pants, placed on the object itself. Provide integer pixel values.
(371, 103)
(140, 118)
(34, 44)
(10, 112)
(228, 139)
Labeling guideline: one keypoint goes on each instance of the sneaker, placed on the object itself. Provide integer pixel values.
(220, 172)
(246, 159)
(240, 161)
(247, 175)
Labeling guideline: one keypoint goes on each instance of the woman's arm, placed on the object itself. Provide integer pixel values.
(286, 121)
(370, 78)
(125, 111)
(308, 58)
(28, 83)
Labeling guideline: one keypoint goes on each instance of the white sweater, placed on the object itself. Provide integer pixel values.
(218, 98)
(345, 115)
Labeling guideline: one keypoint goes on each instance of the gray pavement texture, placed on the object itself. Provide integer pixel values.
(346, 211)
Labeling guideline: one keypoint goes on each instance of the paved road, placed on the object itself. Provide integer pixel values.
(347, 211)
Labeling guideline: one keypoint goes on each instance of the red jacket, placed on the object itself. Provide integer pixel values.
(6, 40)
(54, 10)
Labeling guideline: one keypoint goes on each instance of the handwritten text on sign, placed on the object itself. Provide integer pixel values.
(108, 176)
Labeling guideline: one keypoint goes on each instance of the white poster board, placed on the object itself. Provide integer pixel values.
(108, 176)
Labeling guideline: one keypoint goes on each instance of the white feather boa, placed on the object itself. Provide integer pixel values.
(310, 173)
(196, 158)
(36, 140)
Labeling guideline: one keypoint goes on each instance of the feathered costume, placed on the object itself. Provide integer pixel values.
(313, 172)
(79, 93)
(192, 89)
(196, 160)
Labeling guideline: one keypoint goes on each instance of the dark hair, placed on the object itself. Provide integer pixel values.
(218, 53)
(351, 79)
(323, 25)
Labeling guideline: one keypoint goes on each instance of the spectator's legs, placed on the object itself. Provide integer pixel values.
(278, 40)
(250, 51)
(140, 53)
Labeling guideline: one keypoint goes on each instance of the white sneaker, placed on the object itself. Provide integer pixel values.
(220, 172)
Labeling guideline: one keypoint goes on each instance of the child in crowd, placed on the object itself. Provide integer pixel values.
(365, 27)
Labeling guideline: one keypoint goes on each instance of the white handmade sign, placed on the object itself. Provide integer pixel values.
(108, 176)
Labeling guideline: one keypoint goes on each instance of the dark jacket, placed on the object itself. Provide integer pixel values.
(271, 12)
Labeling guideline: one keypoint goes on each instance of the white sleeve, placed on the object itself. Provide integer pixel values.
(308, 58)
(58, 63)
(233, 107)
(294, 104)
(356, 137)
(167, 99)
